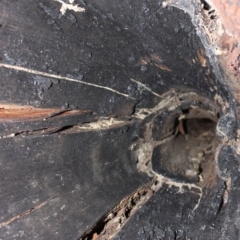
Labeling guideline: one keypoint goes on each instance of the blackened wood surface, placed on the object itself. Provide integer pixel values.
(57, 186)
(66, 181)
(107, 45)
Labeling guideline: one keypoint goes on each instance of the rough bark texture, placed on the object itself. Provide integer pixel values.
(118, 120)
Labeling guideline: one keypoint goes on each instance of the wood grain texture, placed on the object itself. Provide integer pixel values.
(72, 177)
(107, 45)
(58, 178)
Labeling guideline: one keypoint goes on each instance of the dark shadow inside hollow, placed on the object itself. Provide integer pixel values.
(190, 153)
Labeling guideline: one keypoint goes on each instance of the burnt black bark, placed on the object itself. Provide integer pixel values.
(111, 85)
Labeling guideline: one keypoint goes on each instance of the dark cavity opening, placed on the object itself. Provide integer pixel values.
(206, 6)
(190, 153)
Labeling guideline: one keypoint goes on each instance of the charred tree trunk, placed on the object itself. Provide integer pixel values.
(118, 120)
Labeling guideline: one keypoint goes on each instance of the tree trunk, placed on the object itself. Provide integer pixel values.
(118, 120)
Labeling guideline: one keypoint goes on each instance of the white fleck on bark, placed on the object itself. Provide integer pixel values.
(69, 6)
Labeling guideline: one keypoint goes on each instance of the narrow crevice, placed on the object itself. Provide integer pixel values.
(59, 113)
(112, 222)
(9, 221)
(225, 196)
(35, 133)
(96, 125)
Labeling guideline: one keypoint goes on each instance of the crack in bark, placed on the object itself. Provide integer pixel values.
(44, 74)
(100, 124)
(19, 216)
(111, 223)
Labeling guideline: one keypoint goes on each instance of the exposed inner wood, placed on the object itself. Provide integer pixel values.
(16, 113)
